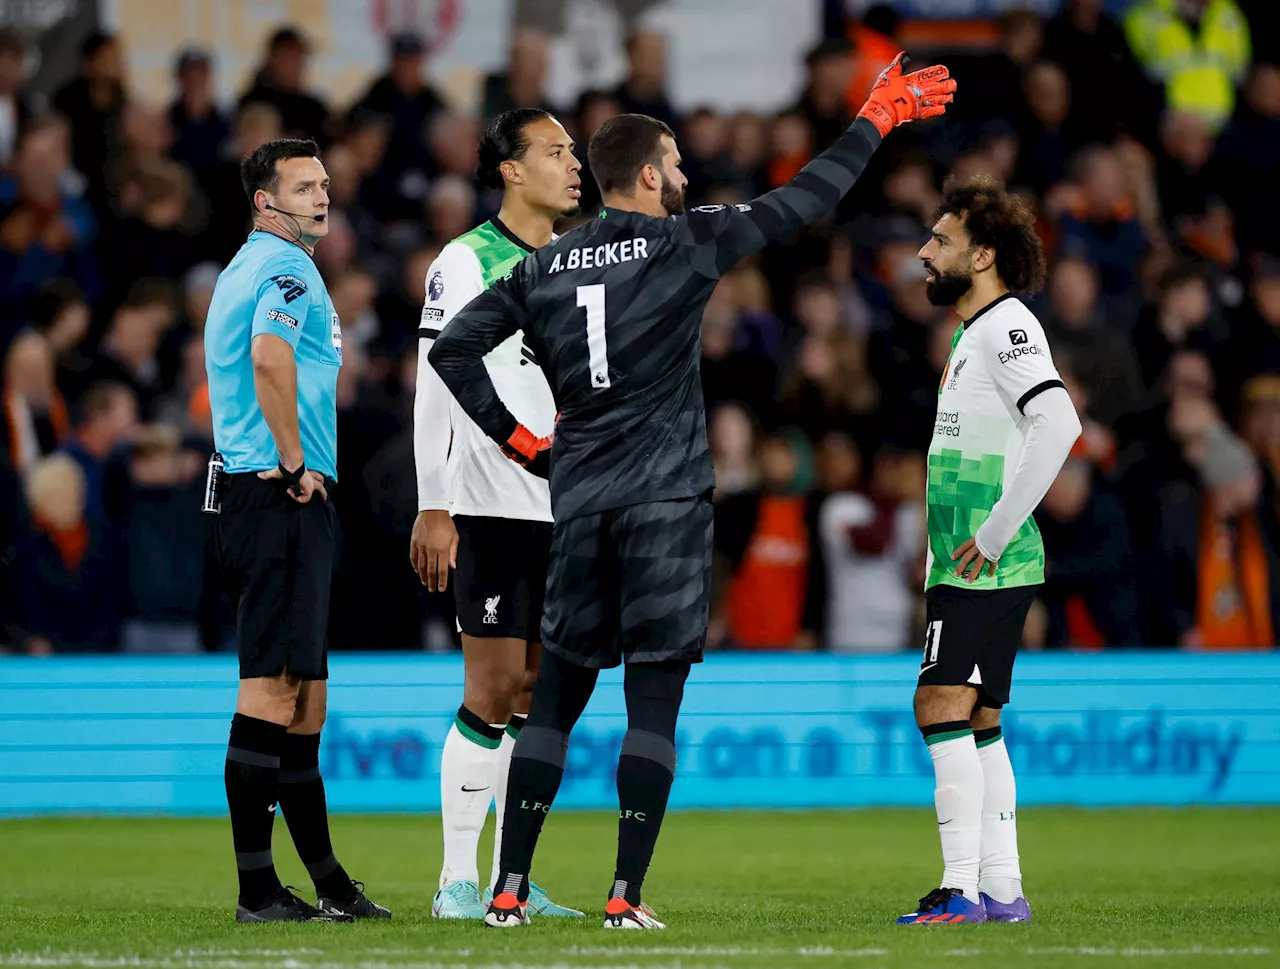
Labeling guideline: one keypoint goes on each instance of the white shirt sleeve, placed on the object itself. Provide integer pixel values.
(1019, 360)
(1054, 427)
(453, 280)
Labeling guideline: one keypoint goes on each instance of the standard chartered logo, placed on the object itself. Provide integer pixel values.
(947, 424)
(1008, 356)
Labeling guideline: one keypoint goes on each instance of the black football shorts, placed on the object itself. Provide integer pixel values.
(972, 637)
(630, 584)
(277, 558)
(501, 577)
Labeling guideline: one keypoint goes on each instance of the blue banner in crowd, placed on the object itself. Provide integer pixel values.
(140, 735)
(966, 9)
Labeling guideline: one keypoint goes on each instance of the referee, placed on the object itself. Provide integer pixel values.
(273, 347)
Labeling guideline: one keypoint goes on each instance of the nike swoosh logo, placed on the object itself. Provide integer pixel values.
(472, 790)
(948, 821)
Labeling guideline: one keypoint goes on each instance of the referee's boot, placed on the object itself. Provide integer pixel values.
(355, 906)
(284, 906)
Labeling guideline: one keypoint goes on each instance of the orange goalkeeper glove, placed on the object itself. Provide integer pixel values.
(531, 452)
(898, 98)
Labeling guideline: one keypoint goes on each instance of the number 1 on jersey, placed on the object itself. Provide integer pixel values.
(591, 298)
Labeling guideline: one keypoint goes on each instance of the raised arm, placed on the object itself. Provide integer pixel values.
(720, 236)
(458, 357)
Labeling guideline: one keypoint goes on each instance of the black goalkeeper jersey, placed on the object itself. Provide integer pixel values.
(612, 313)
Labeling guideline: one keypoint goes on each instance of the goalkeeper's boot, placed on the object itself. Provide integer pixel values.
(946, 906)
(284, 906)
(540, 904)
(458, 900)
(507, 912)
(356, 904)
(1016, 911)
(618, 914)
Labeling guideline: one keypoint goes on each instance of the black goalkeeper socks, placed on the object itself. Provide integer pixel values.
(537, 766)
(252, 774)
(645, 771)
(303, 803)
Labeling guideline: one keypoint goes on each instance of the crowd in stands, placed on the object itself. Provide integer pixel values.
(1148, 144)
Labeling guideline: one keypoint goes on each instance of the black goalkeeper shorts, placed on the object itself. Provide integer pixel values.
(631, 584)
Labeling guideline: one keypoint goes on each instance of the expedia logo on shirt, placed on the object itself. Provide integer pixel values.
(947, 424)
(1031, 350)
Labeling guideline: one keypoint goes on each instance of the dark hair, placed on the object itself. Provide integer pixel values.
(12, 42)
(505, 139)
(150, 291)
(258, 171)
(54, 297)
(1180, 273)
(287, 37)
(622, 146)
(98, 400)
(95, 42)
(1002, 221)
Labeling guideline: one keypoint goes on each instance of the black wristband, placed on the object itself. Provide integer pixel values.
(292, 478)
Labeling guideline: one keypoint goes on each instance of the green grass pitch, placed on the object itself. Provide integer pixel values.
(818, 890)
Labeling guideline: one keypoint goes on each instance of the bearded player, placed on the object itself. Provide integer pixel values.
(1004, 427)
(479, 513)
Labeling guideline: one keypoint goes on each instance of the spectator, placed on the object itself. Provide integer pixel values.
(200, 128)
(454, 141)
(229, 218)
(1183, 316)
(765, 540)
(873, 547)
(875, 46)
(353, 294)
(1254, 345)
(737, 365)
(1185, 176)
(748, 142)
(62, 315)
(1090, 591)
(1218, 555)
(106, 418)
(1048, 139)
(1091, 47)
(732, 436)
(451, 209)
(993, 81)
(68, 578)
(1101, 218)
(644, 89)
(1198, 49)
(44, 232)
(400, 309)
(830, 66)
(281, 82)
(594, 108)
(1260, 429)
(128, 354)
(523, 84)
(35, 413)
(93, 104)
(161, 528)
(791, 149)
(150, 241)
(1249, 156)
(1101, 357)
(404, 96)
(15, 107)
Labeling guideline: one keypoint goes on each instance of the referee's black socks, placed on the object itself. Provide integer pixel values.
(305, 811)
(252, 775)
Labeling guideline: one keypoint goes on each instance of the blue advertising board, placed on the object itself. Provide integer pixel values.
(148, 735)
(966, 9)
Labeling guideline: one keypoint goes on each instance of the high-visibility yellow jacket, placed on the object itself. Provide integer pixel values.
(1200, 69)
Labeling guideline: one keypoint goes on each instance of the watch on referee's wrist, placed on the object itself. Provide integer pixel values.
(292, 478)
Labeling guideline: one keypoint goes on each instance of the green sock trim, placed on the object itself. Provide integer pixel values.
(477, 738)
(982, 739)
(939, 738)
(513, 732)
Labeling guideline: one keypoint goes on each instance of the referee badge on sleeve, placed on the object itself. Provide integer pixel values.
(337, 336)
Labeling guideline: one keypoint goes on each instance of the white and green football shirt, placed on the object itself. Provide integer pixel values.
(999, 361)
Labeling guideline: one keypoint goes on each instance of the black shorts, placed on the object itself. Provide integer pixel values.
(277, 559)
(972, 638)
(501, 577)
(630, 584)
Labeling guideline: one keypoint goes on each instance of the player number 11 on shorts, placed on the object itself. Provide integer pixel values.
(591, 298)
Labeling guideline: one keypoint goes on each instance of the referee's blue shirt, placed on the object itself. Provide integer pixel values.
(272, 286)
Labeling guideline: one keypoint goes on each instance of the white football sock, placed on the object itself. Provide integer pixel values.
(502, 767)
(999, 875)
(467, 771)
(957, 799)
